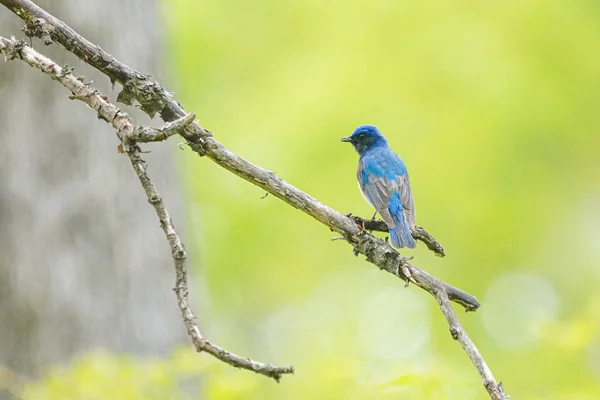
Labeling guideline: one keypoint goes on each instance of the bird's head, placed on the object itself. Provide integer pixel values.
(365, 137)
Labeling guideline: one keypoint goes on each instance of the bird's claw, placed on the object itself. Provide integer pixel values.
(358, 221)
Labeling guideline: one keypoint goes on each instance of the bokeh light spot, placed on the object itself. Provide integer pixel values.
(393, 324)
(517, 307)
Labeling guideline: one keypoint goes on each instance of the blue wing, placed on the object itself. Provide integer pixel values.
(384, 181)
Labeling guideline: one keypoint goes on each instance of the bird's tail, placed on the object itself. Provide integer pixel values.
(400, 234)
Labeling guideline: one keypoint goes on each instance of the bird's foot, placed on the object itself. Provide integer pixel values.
(358, 221)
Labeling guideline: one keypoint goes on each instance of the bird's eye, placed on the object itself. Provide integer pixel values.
(361, 135)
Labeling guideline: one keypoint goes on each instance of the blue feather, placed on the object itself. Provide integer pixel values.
(399, 235)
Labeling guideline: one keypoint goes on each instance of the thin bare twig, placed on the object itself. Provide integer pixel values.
(126, 132)
(457, 332)
(153, 98)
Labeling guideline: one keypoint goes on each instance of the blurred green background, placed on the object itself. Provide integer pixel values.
(493, 106)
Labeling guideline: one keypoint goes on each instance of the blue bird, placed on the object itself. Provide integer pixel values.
(383, 181)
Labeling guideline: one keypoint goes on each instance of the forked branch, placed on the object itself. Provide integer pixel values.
(153, 98)
(126, 132)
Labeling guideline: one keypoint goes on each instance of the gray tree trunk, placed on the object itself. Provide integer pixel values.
(83, 262)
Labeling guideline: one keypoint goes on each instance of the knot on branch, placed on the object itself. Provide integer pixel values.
(454, 332)
(179, 254)
(154, 199)
(150, 95)
(38, 27)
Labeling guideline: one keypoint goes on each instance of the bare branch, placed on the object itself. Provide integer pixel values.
(13, 48)
(494, 389)
(154, 98)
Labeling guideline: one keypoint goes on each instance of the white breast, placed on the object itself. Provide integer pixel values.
(364, 195)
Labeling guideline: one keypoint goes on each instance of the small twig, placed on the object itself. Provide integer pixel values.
(148, 134)
(122, 123)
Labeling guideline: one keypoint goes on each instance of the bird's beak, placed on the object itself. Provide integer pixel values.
(347, 139)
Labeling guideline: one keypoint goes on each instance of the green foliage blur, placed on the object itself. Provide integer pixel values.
(99, 375)
(494, 106)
